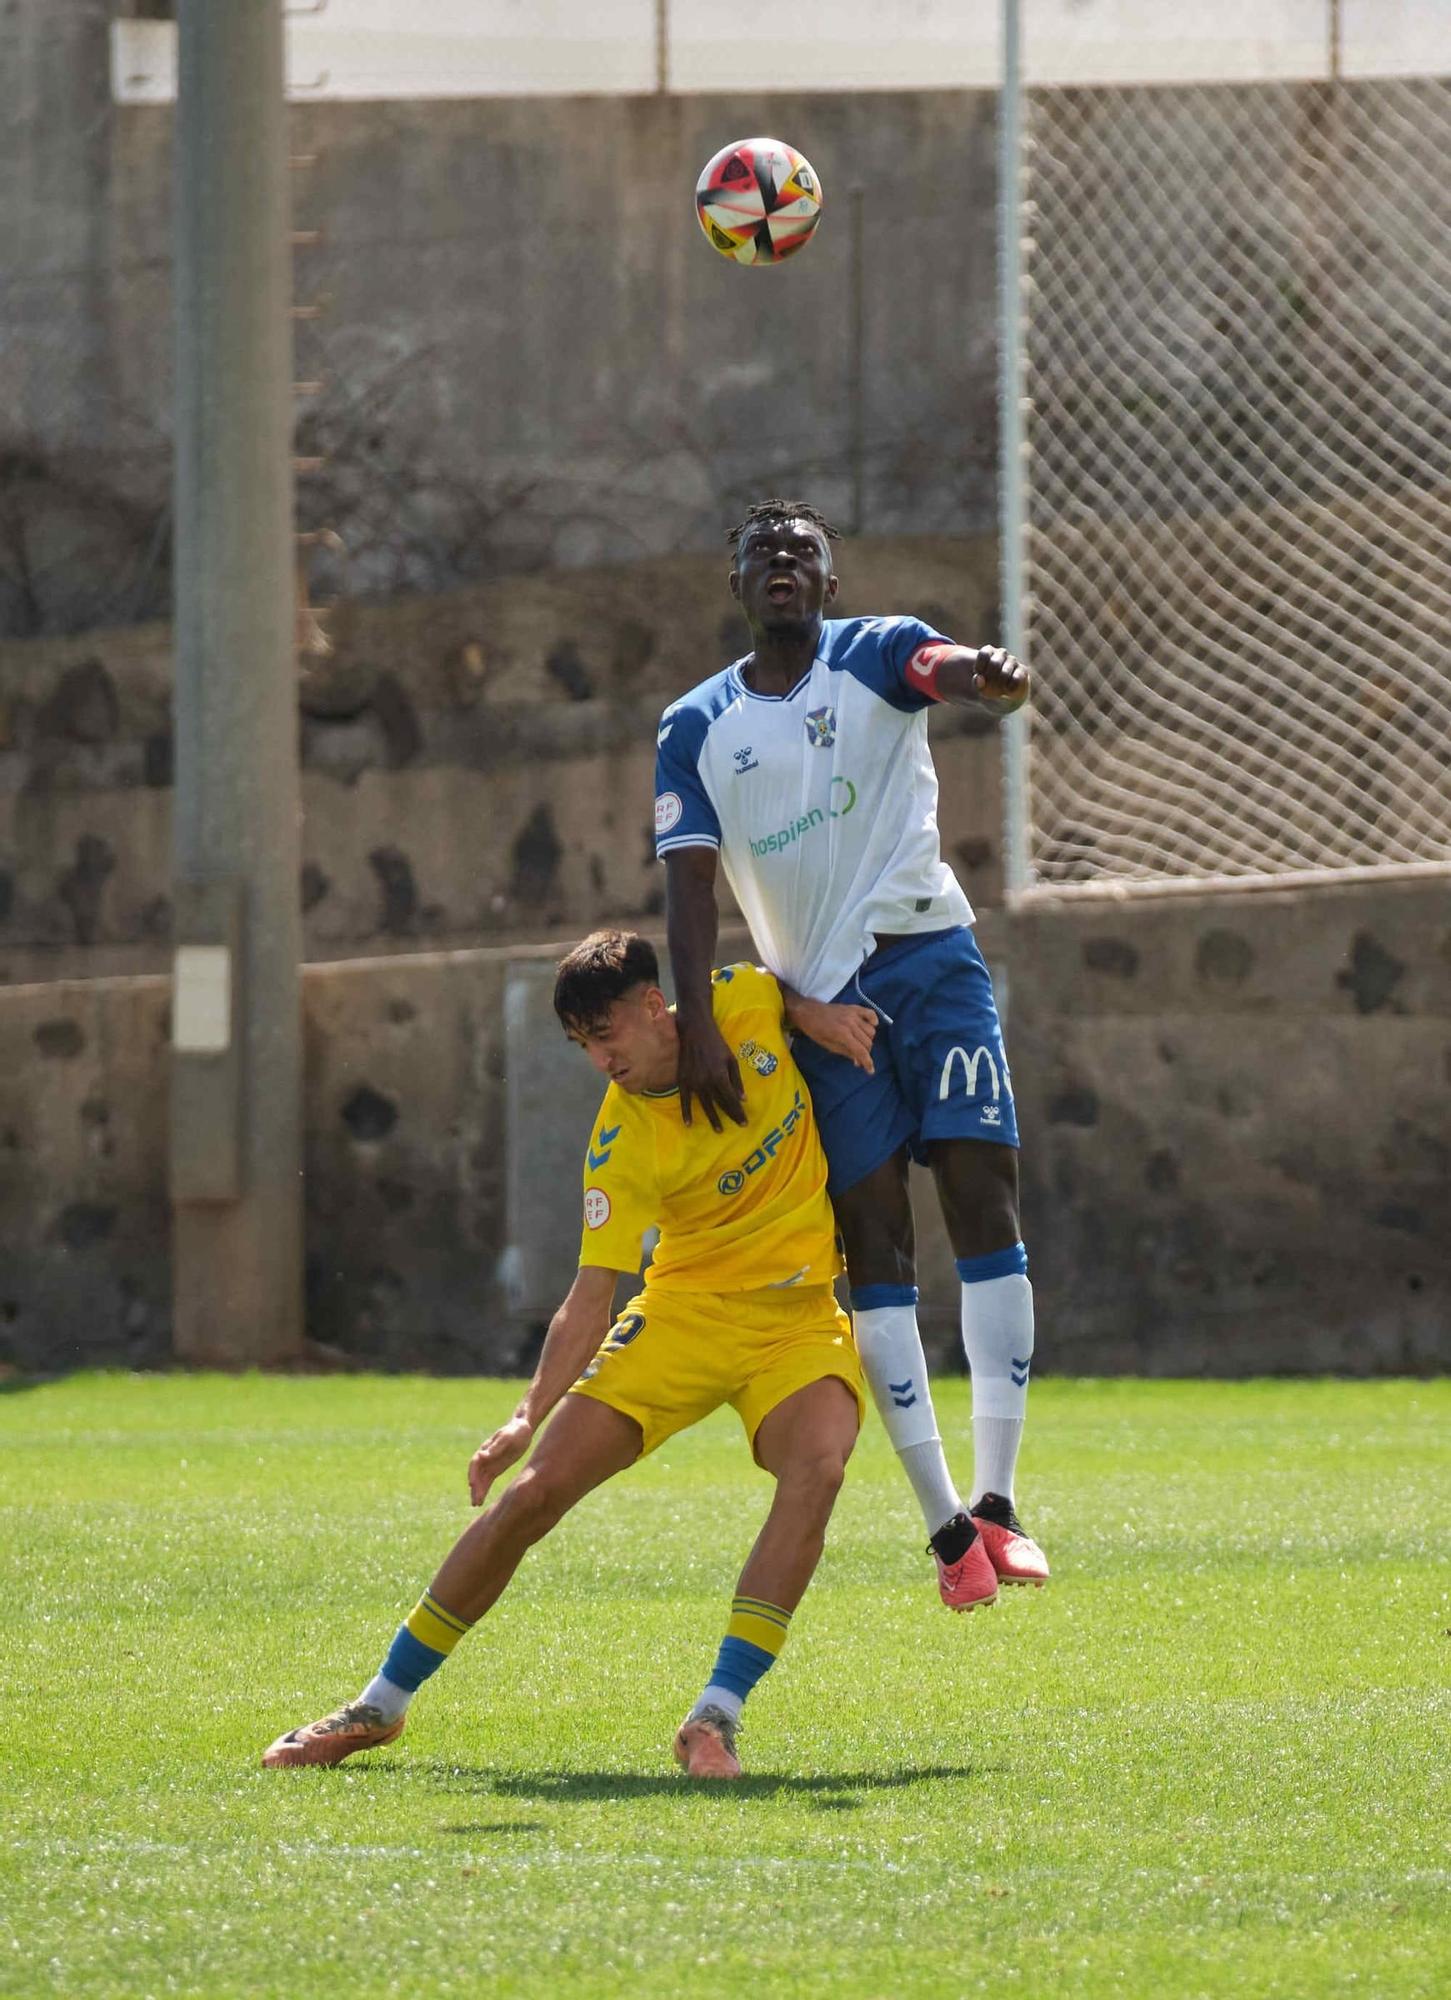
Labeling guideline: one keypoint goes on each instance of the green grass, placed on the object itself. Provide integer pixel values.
(1210, 1759)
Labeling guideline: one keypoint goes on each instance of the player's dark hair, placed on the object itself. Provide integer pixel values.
(782, 510)
(600, 970)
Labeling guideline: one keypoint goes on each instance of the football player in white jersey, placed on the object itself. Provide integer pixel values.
(805, 769)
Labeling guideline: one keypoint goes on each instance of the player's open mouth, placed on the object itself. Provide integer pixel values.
(781, 589)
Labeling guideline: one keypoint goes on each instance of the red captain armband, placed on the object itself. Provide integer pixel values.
(926, 663)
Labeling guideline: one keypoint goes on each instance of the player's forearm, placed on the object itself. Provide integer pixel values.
(845, 1029)
(970, 676)
(691, 926)
(798, 1009)
(574, 1336)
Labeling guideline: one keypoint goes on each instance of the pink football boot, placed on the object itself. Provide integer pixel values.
(1013, 1553)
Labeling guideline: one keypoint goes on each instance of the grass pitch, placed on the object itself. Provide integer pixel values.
(1210, 1759)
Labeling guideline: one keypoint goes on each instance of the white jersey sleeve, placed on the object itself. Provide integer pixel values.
(685, 812)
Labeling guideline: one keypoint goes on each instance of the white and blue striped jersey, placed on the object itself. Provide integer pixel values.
(822, 802)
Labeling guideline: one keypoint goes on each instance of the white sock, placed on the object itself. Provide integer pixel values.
(387, 1697)
(997, 1336)
(926, 1467)
(716, 1696)
(896, 1368)
(995, 1442)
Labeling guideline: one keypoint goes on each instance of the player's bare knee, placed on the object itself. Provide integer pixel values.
(812, 1481)
(536, 1501)
(875, 1220)
(879, 1250)
(977, 1184)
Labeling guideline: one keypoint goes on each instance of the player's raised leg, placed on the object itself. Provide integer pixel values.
(977, 1183)
(875, 1219)
(584, 1443)
(804, 1443)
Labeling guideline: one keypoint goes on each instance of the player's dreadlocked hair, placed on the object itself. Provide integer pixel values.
(599, 971)
(783, 510)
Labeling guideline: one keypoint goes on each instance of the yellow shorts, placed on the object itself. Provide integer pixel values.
(673, 1357)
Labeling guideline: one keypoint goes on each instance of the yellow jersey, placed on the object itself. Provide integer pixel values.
(737, 1210)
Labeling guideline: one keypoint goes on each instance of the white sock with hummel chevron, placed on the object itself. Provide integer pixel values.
(884, 1320)
(997, 1335)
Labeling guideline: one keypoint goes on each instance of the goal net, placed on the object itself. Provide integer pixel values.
(1238, 518)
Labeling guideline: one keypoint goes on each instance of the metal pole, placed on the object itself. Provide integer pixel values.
(236, 1055)
(1012, 443)
(856, 358)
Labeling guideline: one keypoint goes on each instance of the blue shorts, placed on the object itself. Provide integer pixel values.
(940, 1071)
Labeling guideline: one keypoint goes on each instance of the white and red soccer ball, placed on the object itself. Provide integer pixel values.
(758, 201)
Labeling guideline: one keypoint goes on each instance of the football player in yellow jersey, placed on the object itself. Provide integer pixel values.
(737, 1307)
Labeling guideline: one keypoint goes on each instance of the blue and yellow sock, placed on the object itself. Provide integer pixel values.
(420, 1646)
(753, 1640)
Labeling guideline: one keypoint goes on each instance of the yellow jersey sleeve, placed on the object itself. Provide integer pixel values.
(620, 1197)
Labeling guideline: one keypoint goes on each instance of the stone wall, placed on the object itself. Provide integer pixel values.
(476, 767)
(1237, 1116)
(1236, 1122)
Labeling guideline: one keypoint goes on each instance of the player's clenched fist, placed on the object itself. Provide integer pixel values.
(496, 1454)
(1000, 678)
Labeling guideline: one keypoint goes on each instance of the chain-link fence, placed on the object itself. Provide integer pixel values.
(1239, 479)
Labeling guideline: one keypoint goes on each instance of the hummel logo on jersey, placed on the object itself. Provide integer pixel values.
(606, 1139)
(821, 728)
(903, 1394)
(745, 761)
(992, 1114)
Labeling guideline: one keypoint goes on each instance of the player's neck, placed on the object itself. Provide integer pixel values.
(780, 659)
(665, 1070)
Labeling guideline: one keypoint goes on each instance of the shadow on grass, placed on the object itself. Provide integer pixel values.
(826, 1792)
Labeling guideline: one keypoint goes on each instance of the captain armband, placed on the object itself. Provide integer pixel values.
(925, 665)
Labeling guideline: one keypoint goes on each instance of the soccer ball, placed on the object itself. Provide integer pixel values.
(759, 201)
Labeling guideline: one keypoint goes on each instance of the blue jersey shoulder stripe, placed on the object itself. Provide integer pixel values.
(875, 651)
(685, 814)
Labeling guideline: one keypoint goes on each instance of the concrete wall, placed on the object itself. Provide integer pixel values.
(1237, 1146)
(475, 768)
(529, 356)
(472, 48)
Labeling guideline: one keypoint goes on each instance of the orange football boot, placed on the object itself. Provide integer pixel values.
(705, 1745)
(334, 1737)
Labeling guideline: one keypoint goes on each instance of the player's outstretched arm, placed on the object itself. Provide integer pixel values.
(709, 1073)
(980, 676)
(575, 1332)
(842, 1027)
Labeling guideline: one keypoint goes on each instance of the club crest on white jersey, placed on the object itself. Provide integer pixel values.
(833, 839)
